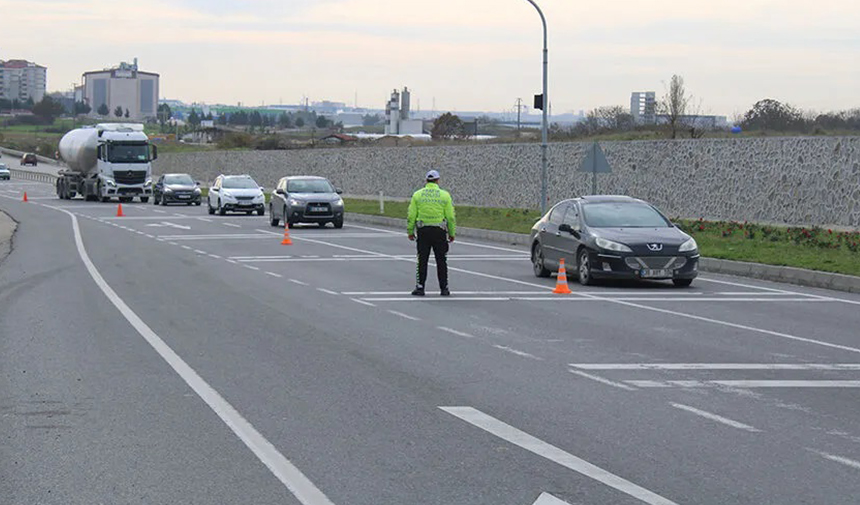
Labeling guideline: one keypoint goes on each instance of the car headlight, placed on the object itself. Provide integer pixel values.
(227, 196)
(610, 245)
(294, 202)
(148, 183)
(259, 198)
(338, 202)
(168, 190)
(196, 191)
(688, 246)
(110, 182)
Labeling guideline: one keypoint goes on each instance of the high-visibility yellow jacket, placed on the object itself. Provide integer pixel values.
(431, 206)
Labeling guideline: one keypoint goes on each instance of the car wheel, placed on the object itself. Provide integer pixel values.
(338, 224)
(584, 269)
(221, 210)
(273, 219)
(321, 224)
(538, 262)
(197, 203)
(261, 212)
(682, 283)
(209, 207)
(144, 199)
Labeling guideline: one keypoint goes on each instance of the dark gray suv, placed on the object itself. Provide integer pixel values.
(306, 199)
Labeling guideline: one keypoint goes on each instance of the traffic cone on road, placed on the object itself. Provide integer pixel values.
(25, 197)
(561, 287)
(287, 240)
(119, 211)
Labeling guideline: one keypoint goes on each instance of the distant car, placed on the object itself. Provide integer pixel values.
(176, 188)
(306, 199)
(236, 193)
(612, 237)
(29, 159)
(5, 174)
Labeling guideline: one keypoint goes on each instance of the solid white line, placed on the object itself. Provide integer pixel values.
(839, 459)
(299, 485)
(535, 445)
(455, 332)
(715, 417)
(328, 291)
(404, 316)
(517, 353)
(231, 225)
(251, 267)
(742, 285)
(242, 236)
(601, 380)
(356, 300)
(273, 274)
(300, 283)
(418, 299)
(748, 384)
(716, 366)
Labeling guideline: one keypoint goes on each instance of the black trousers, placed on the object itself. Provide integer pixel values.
(435, 238)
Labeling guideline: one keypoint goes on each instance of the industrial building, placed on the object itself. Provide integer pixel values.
(397, 120)
(22, 80)
(123, 86)
(643, 107)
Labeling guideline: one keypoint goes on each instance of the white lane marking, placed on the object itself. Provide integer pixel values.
(295, 481)
(356, 300)
(159, 211)
(782, 291)
(543, 449)
(222, 236)
(160, 239)
(233, 262)
(548, 499)
(747, 384)
(273, 274)
(382, 230)
(204, 219)
(198, 251)
(573, 299)
(601, 380)
(231, 225)
(418, 299)
(516, 352)
(741, 285)
(404, 316)
(619, 302)
(296, 281)
(455, 332)
(839, 459)
(186, 248)
(715, 417)
(171, 243)
(312, 256)
(215, 256)
(149, 236)
(328, 291)
(168, 224)
(716, 366)
(251, 267)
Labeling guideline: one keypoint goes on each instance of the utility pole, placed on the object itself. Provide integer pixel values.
(519, 111)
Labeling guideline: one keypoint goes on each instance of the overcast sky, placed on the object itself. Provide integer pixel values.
(465, 54)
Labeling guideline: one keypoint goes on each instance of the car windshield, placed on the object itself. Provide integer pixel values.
(3, 166)
(309, 186)
(128, 153)
(184, 180)
(623, 215)
(240, 183)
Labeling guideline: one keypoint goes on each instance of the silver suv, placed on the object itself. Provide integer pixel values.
(236, 193)
(306, 199)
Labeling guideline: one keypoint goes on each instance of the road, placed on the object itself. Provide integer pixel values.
(15, 162)
(175, 357)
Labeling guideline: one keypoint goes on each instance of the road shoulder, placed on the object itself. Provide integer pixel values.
(7, 229)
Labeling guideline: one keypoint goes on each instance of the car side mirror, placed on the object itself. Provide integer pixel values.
(197, 182)
(213, 189)
(280, 192)
(338, 191)
(565, 227)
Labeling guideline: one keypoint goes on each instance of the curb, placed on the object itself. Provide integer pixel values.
(783, 274)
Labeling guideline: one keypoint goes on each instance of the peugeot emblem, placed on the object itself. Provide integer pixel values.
(655, 247)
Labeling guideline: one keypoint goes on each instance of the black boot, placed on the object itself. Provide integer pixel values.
(445, 292)
(418, 291)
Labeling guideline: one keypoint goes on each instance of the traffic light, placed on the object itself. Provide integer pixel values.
(539, 102)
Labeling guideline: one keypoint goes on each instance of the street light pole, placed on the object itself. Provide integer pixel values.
(544, 133)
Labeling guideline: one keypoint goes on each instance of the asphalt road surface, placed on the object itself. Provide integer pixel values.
(170, 356)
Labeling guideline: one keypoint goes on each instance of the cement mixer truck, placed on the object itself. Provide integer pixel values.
(106, 161)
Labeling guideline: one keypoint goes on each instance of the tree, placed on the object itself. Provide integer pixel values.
(126, 113)
(674, 104)
(447, 126)
(210, 117)
(284, 120)
(239, 118)
(322, 122)
(371, 120)
(82, 108)
(256, 119)
(224, 119)
(613, 118)
(300, 122)
(769, 114)
(118, 111)
(164, 113)
(103, 110)
(194, 118)
(48, 109)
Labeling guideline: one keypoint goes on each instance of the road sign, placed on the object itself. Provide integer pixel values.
(596, 163)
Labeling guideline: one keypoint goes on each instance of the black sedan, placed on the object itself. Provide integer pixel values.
(176, 188)
(612, 237)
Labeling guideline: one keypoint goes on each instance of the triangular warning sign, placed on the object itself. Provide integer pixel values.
(595, 161)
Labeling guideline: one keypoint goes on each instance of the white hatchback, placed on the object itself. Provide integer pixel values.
(236, 193)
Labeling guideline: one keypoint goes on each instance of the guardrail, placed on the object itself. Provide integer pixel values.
(33, 176)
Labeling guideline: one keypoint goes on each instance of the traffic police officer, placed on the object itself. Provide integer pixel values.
(432, 212)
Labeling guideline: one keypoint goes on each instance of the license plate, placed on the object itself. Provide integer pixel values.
(317, 209)
(652, 274)
(184, 196)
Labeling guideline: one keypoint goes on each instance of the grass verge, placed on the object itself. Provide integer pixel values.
(810, 248)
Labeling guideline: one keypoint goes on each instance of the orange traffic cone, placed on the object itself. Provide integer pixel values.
(119, 211)
(287, 240)
(561, 282)
(25, 197)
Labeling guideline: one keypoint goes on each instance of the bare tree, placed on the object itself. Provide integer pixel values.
(674, 105)
(614, 118)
